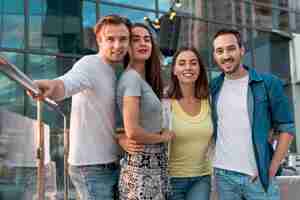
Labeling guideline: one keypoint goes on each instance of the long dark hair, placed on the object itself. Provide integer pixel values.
(152, 65)
(201, 85)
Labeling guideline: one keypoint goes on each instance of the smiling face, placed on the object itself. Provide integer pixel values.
(187, 67)
(228, 54)
(141, 44)
(113, 41)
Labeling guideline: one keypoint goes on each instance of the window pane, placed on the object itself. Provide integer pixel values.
(35, 32)
(281, 3)
(89, 20)
(13, 31)
(132, 14)
(297, 24)
(37, 11)
(272, 54)
(46, 67)
(42, 67)
(146, 4)
(283, 21)
(221, 10)
(194, 33)
(62, 26)
(242, 14)
(247, 41)
(195, 8)
(262, 16)
(13, 6)
(12, 95)
(264, 1)
(164, 5)
(37, 7)
(284, 3)
(71, 38)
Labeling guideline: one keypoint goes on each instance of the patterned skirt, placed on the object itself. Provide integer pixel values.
(144, 175)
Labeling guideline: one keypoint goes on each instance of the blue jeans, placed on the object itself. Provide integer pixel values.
(95, 182)
(232, 185)
(190, 188)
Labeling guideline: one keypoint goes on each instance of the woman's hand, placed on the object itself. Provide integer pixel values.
(168, 136)
(128, 145)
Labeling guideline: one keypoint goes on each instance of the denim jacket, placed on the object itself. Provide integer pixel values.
(268, 108)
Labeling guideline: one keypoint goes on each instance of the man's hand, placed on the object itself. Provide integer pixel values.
(53, 89)
(273, 169)
(46, 86)
(3, 61)
(130, 146)
(284, 141)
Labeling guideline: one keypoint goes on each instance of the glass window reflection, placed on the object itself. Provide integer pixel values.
(191, 7)
(89, 20)
(297, 23)
(35, 32)
(283, 20)
(272, 54)
(220, 10)
(11, 94)
(13, 31)
(242, 13)
(262, 16)
(47, 67)
(37, 7)
(13, 6)
(164, 5)
(42, 67)
(132, 14)
(138, 3)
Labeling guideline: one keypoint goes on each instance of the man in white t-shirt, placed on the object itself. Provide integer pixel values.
(93, 156)
(246, 105)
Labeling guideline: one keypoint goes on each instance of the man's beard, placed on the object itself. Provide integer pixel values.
(235, 67)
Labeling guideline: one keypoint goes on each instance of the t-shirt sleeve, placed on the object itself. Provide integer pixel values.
(77, 79)
(131, 84)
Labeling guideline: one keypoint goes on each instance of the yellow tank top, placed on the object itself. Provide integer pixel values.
(193, 134)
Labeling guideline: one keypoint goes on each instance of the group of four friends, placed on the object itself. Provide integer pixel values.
(168, 133)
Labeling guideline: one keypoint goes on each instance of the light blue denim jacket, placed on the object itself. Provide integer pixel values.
(268, 108)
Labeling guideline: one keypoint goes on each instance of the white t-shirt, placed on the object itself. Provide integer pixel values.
(234, 146)
(91, 82)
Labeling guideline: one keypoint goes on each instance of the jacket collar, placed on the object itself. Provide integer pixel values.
(254, 76)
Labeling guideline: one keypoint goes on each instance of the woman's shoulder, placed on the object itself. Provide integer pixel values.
(129, 76)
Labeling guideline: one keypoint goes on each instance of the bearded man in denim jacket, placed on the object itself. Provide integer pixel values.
(246, 105)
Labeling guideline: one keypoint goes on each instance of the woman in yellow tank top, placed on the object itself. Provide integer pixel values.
(187, 113)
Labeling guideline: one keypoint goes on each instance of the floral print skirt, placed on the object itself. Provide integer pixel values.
(144, 175)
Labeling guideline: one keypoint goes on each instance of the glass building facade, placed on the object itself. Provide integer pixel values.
(44, 38)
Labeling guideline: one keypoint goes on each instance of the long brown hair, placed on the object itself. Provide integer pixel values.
(152, 65)
(201, 85)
